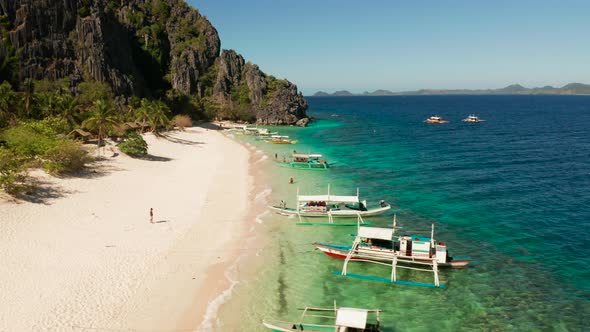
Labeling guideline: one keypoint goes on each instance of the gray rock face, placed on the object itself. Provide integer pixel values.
(40, 34)
(115, 42)
(229, 73)
(256, 82)
(191, 60)
(285, 107)
(102, 51)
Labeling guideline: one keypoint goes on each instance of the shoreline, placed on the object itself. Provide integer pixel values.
(89, 258)
(244, 264)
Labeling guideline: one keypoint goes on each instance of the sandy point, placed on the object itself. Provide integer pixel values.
(84, 255)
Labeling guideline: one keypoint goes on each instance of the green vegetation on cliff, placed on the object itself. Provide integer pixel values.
(157, 49)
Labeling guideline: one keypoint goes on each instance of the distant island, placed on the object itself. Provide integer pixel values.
(514, 89)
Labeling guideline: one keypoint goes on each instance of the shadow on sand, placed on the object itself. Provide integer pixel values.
(173, 139)
(96, 169)
(151, 157)
(43, 192)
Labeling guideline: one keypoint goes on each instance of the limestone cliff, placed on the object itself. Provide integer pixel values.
(139, 47)
(273, 102)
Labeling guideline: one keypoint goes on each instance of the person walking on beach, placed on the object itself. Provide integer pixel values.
(151, 215)
(291, 180)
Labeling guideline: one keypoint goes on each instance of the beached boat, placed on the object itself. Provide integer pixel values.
(331, 319)
(472, 119)
(436, 119)
(331, 206)
(312, 161)
(383, 246)
(278, 139)
(265, 133)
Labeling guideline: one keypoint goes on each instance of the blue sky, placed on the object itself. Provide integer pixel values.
(408, 44)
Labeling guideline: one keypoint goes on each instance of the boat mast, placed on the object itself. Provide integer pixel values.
(432, 236)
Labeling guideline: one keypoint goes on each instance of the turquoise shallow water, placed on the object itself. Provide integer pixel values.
(513, 193)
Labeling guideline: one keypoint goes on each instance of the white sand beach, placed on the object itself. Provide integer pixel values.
(84, 256)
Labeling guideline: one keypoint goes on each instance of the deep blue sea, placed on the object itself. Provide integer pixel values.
(512, 192)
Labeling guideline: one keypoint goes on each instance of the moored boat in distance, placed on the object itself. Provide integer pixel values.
(472, 119)
(278, 139)
(382, 246)
(331, 319)
(436, 119)
(331, 206)
(312, 161)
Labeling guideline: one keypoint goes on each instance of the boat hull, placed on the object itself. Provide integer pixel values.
(288, 327)
(346, 213)
(340, 252)
(309, 166)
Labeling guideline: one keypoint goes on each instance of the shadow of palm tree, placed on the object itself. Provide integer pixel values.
(95, 169)
(209, 125)
(173, 139)
(151, 157)
(43, 192)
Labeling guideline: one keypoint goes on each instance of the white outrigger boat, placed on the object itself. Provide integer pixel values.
(304, 161)
(436, 119)
(278, 139)
(331, 319)
(472, 119)
(331, 206)
(382, 246)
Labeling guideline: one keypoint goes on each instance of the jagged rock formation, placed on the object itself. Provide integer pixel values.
(274, 102)
(139, 47)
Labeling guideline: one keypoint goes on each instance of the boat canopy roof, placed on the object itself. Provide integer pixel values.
(304, 155)
(376, 233)
(328, 198)
(351, 317)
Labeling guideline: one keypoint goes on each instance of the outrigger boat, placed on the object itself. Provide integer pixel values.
(331, 206)
(278, 139)
(265, 133)
(331, 319)
(436, 119)
(382, 246)
(472, 119)
(303, 161)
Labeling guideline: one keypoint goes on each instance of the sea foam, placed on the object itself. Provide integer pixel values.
(211, 316)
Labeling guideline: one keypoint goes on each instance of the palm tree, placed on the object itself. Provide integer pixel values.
(142, 113)
(48, 102)
(159, 116)
(69, 108)
(27, 98)
(101, 120)
(7, 101)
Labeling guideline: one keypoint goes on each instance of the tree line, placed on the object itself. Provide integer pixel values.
(38, 125)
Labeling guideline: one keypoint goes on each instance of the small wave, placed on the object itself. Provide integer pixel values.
(261, 216)
(261, 196)
(213, 307)
(259, 151)
(263, 158)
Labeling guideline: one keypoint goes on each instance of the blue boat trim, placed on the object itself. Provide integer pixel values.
(420, 238)
(399, 282)
(336, 246)
(329, 224)
(461, 258)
